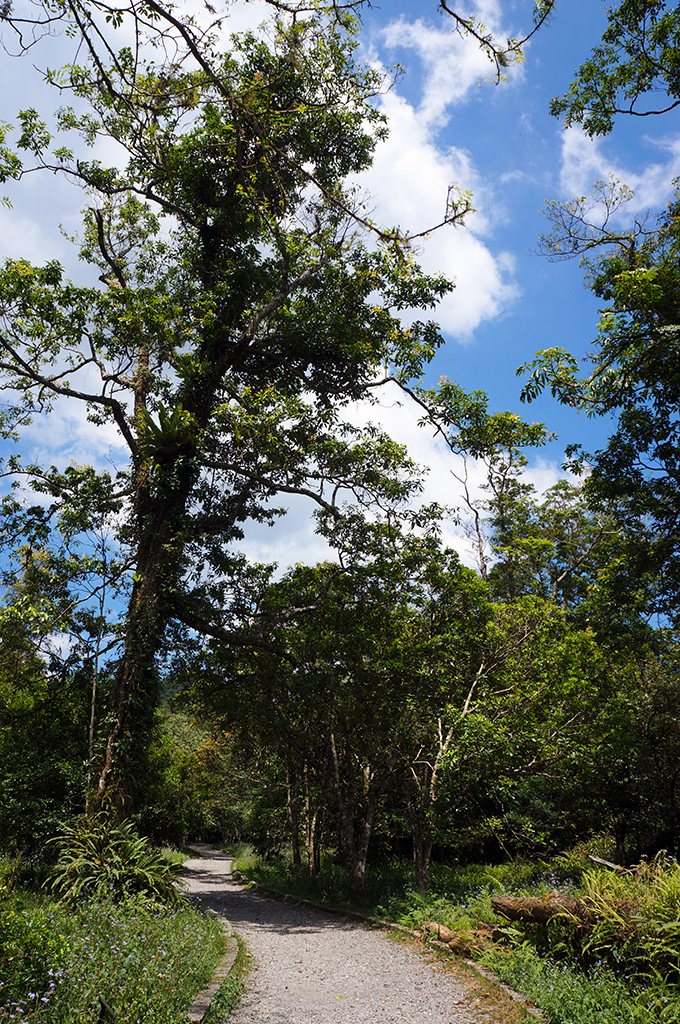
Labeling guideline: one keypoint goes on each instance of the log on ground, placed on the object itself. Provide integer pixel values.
(541, 909)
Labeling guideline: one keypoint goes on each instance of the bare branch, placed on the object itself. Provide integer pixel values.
(233, 638)
(501, 55)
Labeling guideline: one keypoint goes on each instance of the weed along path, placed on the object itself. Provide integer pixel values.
(316, 968)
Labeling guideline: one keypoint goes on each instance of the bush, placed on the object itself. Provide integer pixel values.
(102, 859)
(638, 918)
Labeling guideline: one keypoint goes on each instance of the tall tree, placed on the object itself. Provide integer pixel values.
(635, 477)
(240, 310)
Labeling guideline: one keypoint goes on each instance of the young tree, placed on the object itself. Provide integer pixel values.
(520, 738)
(383, 646)
(45, 701)
(451, 613)
(240, 310)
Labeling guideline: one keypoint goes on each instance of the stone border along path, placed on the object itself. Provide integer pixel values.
(316, 967)
(201, 1003)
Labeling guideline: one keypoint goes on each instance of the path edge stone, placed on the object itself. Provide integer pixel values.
(201, 1003)
(379, 922)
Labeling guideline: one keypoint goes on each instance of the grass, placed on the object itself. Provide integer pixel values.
(175, 856)
(456, 894)
(329, 886)
(147, 962)
(231, 989)
(566, 995)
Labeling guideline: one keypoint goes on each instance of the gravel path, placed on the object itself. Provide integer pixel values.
(316, 968)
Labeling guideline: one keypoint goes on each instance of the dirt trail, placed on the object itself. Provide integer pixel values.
(316, 968)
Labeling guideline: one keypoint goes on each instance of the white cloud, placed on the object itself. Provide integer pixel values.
(399, 417)
(585, 160)
(409, 182)
(412, 171)
(65, 435)
(454, 65)
(291, 540)
(23, 238)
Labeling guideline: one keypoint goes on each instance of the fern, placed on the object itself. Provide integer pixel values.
(100, 858)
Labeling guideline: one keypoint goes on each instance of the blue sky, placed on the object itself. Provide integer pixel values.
(447, 124)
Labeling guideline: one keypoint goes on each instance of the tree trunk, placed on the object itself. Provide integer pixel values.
(620, 836)
(422, 853)
(354, 836)
(136, 701)
(310, 843)
(422, 806)
(315, 859)
(312, 828)
(159, 522)
(162, 494)
(293, 810)
(344, 808)
(357, 878)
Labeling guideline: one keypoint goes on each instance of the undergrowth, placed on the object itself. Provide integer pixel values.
(566, 995)
(638, 919)
(146, 961)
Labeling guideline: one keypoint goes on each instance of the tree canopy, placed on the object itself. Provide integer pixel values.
(634, 478)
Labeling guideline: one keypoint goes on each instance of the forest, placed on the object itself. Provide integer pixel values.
(398, 702)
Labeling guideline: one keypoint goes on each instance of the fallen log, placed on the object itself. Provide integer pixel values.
(541, 909)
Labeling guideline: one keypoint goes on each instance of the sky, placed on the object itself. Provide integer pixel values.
(449, 123)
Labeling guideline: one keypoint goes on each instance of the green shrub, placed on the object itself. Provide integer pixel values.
(637, 918)
(102, 859)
